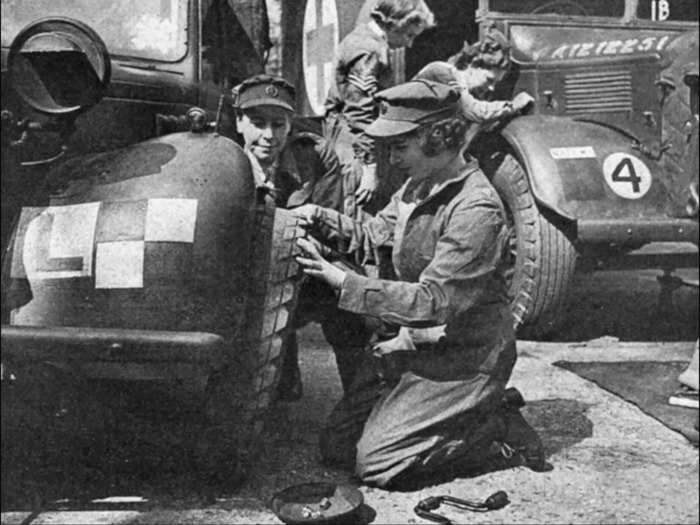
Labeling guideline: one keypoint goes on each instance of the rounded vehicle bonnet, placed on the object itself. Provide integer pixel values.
(59, 66)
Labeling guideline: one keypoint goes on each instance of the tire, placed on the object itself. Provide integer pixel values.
(543, 258)
(238, 398)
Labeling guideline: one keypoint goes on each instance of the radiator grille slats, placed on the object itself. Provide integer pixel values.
(598, 92)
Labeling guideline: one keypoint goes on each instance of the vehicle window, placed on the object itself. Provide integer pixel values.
(611, 8)
(228, 55)
(671, 10)
(154, 29)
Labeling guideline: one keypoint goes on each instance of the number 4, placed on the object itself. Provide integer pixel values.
(619, 174)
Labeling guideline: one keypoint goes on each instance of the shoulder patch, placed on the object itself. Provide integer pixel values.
(366, 83)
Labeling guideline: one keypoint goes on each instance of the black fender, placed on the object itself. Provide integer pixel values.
(593, 175)
(172, 213)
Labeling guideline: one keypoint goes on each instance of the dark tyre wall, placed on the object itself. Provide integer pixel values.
(238, 397)
(542, 255)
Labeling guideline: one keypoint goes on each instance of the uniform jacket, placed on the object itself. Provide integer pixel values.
(448, 254)
(307, 171)
(362, 68)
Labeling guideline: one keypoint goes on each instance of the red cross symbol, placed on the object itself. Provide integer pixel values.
(319, 49)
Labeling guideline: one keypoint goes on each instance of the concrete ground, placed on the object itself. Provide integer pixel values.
(611, 462)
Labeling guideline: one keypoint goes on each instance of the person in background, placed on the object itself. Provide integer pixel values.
(362, 68)
(432, 400)
(295, 169)
(475, 71)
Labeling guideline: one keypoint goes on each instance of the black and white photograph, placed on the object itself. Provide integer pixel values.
(349, 262)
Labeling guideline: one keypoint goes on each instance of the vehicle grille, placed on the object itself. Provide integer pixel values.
(598, 92)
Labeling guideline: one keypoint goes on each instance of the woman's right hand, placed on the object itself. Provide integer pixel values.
(308, 215)
(315, 265)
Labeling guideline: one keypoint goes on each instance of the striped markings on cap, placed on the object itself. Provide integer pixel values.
(57, 242)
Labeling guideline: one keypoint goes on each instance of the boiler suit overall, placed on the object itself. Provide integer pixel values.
(434, 401)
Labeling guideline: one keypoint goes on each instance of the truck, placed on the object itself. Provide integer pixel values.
(602, 172)
(136, 247)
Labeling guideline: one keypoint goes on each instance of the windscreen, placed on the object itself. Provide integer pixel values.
(153, 29)
(610, 8)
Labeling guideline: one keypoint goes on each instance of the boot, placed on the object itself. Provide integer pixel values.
(521, 445)
(512, 398)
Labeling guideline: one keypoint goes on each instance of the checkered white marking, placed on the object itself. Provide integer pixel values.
(68, 232)
(171, 220)
(119, 264)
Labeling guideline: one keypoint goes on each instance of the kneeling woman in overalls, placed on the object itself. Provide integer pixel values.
(433, 399)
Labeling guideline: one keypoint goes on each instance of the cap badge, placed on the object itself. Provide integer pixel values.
(271, 91)
(383, 108)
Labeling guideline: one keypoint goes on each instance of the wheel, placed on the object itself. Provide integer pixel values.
(541, 255)
(239, 396)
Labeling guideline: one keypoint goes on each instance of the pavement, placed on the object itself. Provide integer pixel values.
(611, 462)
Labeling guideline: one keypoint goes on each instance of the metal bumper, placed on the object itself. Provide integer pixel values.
(637, 231)
(69, 343)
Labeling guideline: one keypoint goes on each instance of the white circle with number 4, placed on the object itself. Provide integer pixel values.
(627, 175)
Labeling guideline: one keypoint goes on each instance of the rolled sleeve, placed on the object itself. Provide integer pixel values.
(484, 111)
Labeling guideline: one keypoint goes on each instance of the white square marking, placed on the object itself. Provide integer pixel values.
(67, 232)
(578, 152)
(171, 220)
(119, 264)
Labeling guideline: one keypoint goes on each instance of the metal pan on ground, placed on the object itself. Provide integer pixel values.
(318, 503)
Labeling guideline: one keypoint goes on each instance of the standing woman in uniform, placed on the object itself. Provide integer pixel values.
(362, 68)
(433, 398)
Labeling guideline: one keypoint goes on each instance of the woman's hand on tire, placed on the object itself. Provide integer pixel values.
(308, 215)
(315, 265)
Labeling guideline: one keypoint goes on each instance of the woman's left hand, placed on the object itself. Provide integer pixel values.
(315, 265)
(368, 184)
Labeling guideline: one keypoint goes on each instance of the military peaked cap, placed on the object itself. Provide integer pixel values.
(405, 107)
(264, 90)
